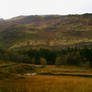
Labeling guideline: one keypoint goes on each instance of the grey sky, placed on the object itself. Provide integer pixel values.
(12, 8)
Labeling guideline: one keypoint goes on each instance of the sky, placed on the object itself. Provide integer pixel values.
(13, 8)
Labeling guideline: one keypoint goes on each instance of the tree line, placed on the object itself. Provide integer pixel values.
(69, 56)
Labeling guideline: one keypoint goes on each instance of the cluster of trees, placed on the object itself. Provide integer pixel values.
(69, 56)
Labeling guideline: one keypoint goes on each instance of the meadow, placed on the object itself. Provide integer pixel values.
(41, 83)
(50, 83)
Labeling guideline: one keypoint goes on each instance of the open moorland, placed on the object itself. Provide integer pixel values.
(53, 31)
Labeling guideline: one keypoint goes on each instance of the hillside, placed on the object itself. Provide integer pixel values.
(47, 31)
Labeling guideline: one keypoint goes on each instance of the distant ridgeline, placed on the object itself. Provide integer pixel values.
(46, 31)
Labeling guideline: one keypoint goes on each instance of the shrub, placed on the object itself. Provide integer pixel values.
(22, 68)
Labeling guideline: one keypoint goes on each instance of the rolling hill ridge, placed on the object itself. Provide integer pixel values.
(46, 31)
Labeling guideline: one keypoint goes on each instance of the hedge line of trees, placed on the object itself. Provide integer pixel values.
(70, 56)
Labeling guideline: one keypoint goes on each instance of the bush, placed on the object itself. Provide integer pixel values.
(22, 68)
(7, 75)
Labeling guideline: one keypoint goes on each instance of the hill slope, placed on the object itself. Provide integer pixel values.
(47, 30)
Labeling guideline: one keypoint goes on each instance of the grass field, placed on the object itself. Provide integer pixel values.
(49, 83)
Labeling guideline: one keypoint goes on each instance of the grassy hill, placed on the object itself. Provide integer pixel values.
(47, 31)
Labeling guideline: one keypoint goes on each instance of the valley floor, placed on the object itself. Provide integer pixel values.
(50, 83)
(41, 83)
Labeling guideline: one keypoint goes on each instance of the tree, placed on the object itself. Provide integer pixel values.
(33, 61)
(58, 61)
(43, 61)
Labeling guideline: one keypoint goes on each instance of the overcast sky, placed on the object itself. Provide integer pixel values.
(12, 8)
